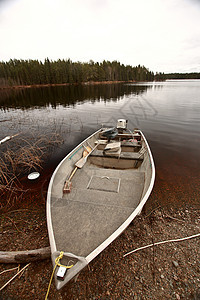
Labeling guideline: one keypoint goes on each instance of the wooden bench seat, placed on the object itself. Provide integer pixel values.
(127, 146)
(123, 155)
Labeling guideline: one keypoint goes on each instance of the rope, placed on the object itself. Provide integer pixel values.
(163, 242)
(59, 265)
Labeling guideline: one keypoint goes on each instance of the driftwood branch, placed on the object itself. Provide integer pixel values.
(25, 256)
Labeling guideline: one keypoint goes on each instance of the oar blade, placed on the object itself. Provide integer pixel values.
(79, 164)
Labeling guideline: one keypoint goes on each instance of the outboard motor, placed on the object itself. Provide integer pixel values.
(121, 125)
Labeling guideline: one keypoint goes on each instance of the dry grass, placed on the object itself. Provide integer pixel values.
(18, 158)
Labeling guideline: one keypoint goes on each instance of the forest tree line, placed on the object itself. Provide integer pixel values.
(33, 72)
(182, 76)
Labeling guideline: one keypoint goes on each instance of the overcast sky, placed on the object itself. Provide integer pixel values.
(162, 35)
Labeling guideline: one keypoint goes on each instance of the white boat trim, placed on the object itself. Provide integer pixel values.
(48, 203)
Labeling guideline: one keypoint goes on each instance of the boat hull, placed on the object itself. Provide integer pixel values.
(107, 193)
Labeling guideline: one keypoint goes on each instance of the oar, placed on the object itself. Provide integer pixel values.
(81, 162)
(68, 183)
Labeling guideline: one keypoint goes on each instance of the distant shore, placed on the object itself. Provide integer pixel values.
(62, 84)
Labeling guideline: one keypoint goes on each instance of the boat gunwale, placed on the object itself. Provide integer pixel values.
(48, 202)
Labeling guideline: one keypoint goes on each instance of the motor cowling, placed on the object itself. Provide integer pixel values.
(122, 124)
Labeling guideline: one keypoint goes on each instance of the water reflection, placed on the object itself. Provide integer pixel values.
(168, 114)
(66, 95)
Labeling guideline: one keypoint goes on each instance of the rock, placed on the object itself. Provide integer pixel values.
(126, 283)
(175, 263)
(178, 297)
(162, 276)
(137, 278)
(175, 277)
(159, 214)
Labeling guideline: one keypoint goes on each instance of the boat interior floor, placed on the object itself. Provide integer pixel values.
(99, 202)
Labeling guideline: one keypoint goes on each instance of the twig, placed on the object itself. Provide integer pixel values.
(152, 211)
(174, 218)
(14, 277)
(14, 224)
(21, 273)
(9, 270)
(163, 242)
(19, 210)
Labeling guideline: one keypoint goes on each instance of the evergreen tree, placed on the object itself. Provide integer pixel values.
(30, 72)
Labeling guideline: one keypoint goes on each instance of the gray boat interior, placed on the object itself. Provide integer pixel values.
(104, 193)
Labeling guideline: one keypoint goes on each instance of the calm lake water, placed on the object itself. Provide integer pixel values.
(167, 112)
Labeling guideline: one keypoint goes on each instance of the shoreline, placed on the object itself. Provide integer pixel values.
(166, 271)
(62, 84)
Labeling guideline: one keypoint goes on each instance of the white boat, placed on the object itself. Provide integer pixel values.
(94, 194)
